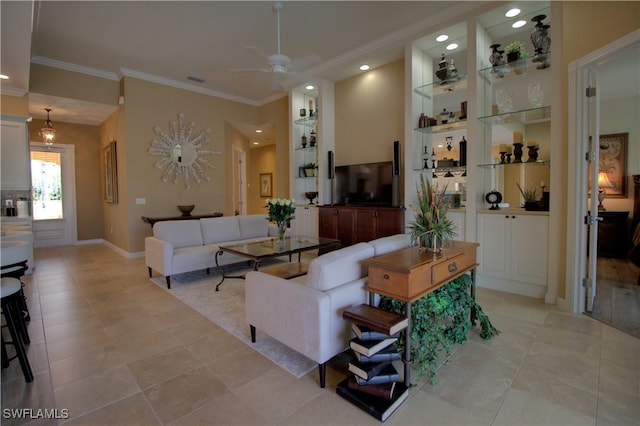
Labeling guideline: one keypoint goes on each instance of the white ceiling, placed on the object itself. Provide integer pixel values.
(167, 41)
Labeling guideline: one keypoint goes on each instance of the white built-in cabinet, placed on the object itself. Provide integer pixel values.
(15, 154)
(513, 252)
(306, 221)
(457, 218)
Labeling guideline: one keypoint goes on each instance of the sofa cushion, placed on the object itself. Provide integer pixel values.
(338, 267)
(253, 226)
(391, 243)
(220, 229)
(179, 233)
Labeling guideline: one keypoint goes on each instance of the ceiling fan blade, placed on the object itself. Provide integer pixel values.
(305, 62)
(249, 69)
(258, 51)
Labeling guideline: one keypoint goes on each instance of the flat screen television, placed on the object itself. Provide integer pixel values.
(365, 184)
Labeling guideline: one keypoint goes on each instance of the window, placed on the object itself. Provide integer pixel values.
(46, 181)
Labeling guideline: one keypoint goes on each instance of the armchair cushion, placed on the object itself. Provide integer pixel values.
(338, 267)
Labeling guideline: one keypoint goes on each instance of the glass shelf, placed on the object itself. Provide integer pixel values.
(537, 162)
(307, 148)
(441, 128)
(443, 87)
(443, 169)
(516, 68)
(525, 116)
(307, 121)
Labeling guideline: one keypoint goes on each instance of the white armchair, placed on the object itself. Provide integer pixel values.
(306, 313)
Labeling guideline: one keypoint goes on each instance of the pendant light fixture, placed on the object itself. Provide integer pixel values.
(48, 133)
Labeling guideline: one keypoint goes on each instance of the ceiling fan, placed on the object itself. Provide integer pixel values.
(279, 65)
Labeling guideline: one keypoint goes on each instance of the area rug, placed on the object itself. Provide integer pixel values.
(226, 309)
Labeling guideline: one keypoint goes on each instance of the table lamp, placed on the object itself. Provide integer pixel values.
(603, 184)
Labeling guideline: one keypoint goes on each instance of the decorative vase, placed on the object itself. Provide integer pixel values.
(533, 153)
(282, 227)
(517, 152)
(541, 41)
(496, 55)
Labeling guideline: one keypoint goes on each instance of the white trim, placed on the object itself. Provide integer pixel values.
(186, 86)
(88, 242)
(13, 91)
(75, 68)
(576, 196)
(123, 253)
(68, 181)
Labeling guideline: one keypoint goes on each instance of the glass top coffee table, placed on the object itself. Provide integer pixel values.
(257, 251)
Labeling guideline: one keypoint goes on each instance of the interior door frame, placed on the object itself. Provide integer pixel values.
(576, 191)
(68, 170)
(239, 180)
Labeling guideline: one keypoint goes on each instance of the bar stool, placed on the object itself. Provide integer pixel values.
(17, 270)
(10, 297)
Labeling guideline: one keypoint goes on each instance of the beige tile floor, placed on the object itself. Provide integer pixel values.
(114, 349)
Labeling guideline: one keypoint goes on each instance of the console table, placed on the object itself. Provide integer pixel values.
(411, 273)
(152, 220)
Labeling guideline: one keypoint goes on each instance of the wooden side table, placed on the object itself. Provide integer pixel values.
(410, 274)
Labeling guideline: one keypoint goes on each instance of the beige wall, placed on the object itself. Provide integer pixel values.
(370, 115)
(262, 160)
(14, 105)
(149, 105)
(86, 140)
(67, 84)
(277, 113)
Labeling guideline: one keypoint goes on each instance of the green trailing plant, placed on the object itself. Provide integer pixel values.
(309, 166)
(440, 320)
(431, 225)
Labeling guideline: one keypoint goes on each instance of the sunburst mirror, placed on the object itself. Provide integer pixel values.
(182, 153)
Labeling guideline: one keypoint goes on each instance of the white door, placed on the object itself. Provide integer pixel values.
(53, 194)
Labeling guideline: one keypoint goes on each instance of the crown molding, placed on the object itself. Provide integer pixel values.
(75, 68)
(185, 86)
(13, 91)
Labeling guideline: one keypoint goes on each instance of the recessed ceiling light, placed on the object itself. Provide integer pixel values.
(512, 12)
(364, 67)
(452, 46)
(258, 131)
(4, 77)
(440, 146)
(442, 37)
(519, 24)
(309, 87)
(256, 143)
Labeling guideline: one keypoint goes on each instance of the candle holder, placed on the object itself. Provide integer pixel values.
(532, 153)
(502, 157)
(508, 158)
(517, 152)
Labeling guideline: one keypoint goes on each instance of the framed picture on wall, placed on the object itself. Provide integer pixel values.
(110, 173)
(266, 185)
(613, 161)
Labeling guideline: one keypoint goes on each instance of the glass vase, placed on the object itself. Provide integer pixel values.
(282, 227)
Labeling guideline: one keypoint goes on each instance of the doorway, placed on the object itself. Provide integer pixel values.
(604, 284)
(239, 181)
(53, 194)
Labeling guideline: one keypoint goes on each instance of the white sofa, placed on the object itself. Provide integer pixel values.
(305, 313)
(179, 246)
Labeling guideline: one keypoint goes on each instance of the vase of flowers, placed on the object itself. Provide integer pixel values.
(281, 211)
(431, 229)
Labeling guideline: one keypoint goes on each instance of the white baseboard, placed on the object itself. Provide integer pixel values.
(113, 247)
(516, 287)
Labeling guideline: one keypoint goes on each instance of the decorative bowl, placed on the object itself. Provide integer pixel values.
(311, 195)
(186, 210)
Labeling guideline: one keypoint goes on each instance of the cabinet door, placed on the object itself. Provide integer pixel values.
(328, 222)
(389, 222)
(458, 224)
(347, 226)
(15, 155)
(306, 222)
(366, 227)
(529, 238)
(494, 253)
